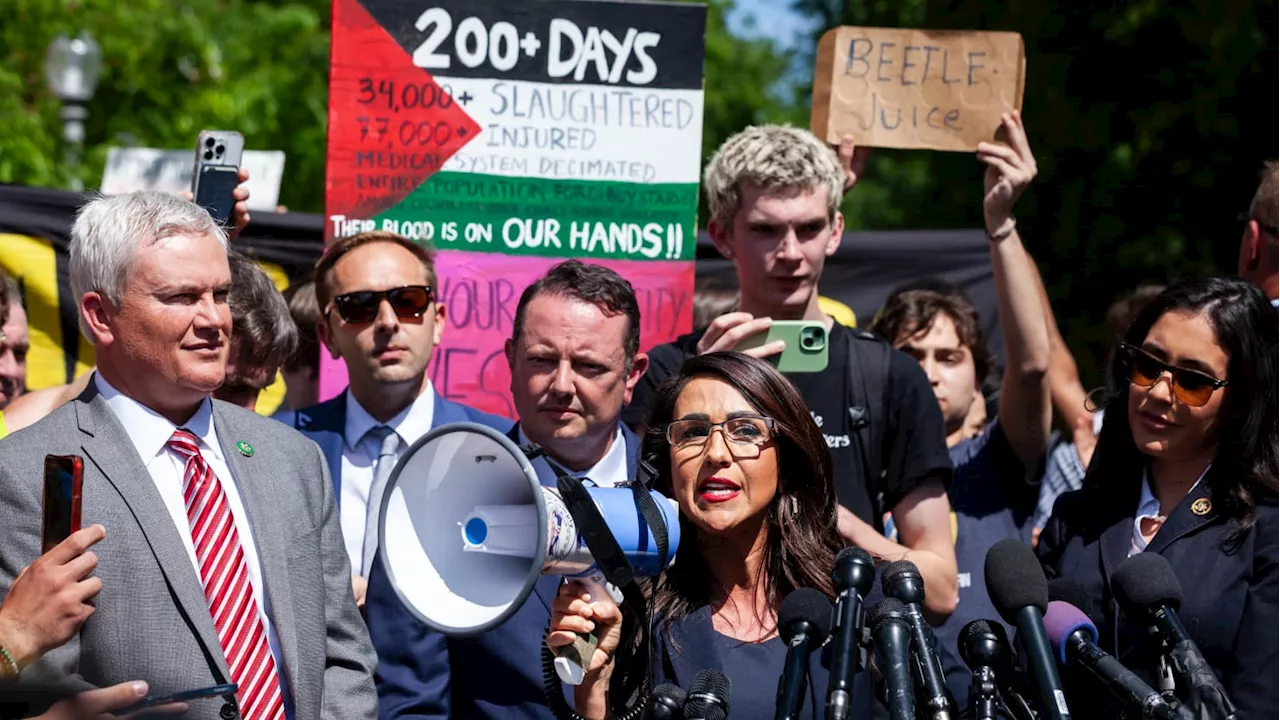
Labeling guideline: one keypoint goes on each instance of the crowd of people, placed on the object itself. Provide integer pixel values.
(221, 546)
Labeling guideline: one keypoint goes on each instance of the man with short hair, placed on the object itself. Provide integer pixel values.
(262, 333)
(995, 487)
(222, 561)
(575, 359)
(380, 314)
(775, 194)
(14, 348)
(1259, 261)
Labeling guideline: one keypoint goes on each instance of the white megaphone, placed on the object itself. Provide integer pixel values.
(466, 529)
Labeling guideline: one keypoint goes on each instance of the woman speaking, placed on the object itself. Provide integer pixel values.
(738, 450)
(1186, 467)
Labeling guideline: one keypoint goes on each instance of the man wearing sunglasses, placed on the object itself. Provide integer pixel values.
(1259, 256)
(379, 313)
(575, 359)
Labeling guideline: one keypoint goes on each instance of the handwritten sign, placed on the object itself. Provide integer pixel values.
(510, 135)
(929, 89)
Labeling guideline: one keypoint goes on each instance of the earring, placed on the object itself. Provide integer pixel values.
(791, 506)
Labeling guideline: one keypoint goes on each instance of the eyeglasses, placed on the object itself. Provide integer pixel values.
(1191, 387)
(744, 430)
(408, 302)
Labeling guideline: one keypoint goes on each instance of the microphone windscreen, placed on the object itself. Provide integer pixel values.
(1144, 580)
(708, 696)
(888, 609)
(667, 691)
(1014, 578)
(805, 604)
(849, 553)
(1060, 621)
(1071, 591)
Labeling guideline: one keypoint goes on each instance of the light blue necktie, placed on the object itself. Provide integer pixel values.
(390, 442)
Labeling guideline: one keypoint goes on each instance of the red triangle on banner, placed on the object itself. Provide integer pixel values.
(390, 125)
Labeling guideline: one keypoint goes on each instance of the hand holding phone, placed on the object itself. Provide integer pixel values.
(728, 331)
(804, 344)
(50, 599)
(217, 170)
(155, 702)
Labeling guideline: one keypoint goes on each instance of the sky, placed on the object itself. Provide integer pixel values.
(773, 18)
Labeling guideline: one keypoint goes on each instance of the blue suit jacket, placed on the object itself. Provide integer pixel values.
(1229, 591)
(697, 650)
(326, 422)
(423, 674)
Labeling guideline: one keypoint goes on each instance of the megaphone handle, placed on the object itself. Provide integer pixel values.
(571, 660)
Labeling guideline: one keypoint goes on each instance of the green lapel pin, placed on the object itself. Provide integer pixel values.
(245, 448)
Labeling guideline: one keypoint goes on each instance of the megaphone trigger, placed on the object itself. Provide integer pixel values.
(572, 660)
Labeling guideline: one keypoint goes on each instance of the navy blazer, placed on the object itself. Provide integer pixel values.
(1229, 602)
(696, 648)
(325, 423)
(423, 674)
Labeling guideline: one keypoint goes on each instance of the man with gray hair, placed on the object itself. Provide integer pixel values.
(223, 559)
(774, 194)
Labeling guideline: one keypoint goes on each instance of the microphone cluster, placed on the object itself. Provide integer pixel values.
(1018, 681)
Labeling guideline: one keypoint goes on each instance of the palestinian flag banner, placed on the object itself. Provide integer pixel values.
(510, 135)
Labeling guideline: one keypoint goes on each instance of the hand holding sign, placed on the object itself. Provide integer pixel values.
(1010, 168)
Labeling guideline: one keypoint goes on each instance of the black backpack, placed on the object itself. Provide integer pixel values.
(869, 357)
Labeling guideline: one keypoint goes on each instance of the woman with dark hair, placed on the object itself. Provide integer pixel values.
(736, 447)
(1186, 467)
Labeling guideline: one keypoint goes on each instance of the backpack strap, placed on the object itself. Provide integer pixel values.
(869, 379)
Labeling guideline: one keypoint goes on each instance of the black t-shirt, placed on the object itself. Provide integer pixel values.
(915, 447)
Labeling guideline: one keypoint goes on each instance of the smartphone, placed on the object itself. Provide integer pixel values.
(63, 483)
(155, 700)
(806, 350)
(221, 149)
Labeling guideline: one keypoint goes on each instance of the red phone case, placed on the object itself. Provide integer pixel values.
(63, 486)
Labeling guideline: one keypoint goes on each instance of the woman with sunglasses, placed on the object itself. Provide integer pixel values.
(1185, 467)
(736, 447)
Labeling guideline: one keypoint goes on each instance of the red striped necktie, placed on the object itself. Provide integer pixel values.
(225, 577)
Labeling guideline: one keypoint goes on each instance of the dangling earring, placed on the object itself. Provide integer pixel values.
(790, 506)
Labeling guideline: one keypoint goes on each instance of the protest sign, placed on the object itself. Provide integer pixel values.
(511, 135)
(929, 89)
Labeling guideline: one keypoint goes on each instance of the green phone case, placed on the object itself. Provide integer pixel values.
(806, 349)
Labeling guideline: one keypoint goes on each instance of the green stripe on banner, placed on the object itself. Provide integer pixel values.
(549, 218)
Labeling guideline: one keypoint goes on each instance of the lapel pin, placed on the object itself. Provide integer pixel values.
(1201, 506)
(245, 448)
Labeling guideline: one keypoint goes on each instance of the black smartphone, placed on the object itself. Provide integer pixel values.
(63, 485)
(214, 190)
(156, 700)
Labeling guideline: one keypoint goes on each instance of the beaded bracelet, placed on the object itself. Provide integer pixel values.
(1004, 231)
(13, 664)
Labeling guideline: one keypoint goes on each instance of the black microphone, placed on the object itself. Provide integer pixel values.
(804, 621)
(1020, 593)
(985, 650)
(666, 703)
(708, 697)
(1075, 640)
(1146, 587)
(891, 641)
(902, 581)
(853, 575)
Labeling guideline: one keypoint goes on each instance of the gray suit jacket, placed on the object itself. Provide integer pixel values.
(152, 621)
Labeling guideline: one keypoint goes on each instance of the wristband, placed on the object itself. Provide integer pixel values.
(8, 666)
(1005, 230)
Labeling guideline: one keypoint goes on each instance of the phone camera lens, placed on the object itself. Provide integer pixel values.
(221, 149)
(208, 142)
(208, 154)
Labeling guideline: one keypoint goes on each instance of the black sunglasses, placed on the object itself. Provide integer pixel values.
(1190, 386)
(408, 302)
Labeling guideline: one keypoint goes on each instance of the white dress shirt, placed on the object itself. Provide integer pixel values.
(360, 457)
(1149, 507)
(611, 471)
(150, 433)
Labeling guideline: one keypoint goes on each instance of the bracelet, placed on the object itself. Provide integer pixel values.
(1005, 230)
(8, 660)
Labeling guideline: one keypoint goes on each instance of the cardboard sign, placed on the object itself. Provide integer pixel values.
(130, 169)
(930, 89)
(510, 135)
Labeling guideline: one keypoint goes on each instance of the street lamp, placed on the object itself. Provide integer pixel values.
(71, 70)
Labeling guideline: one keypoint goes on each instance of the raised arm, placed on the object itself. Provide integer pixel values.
(1025, 409)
